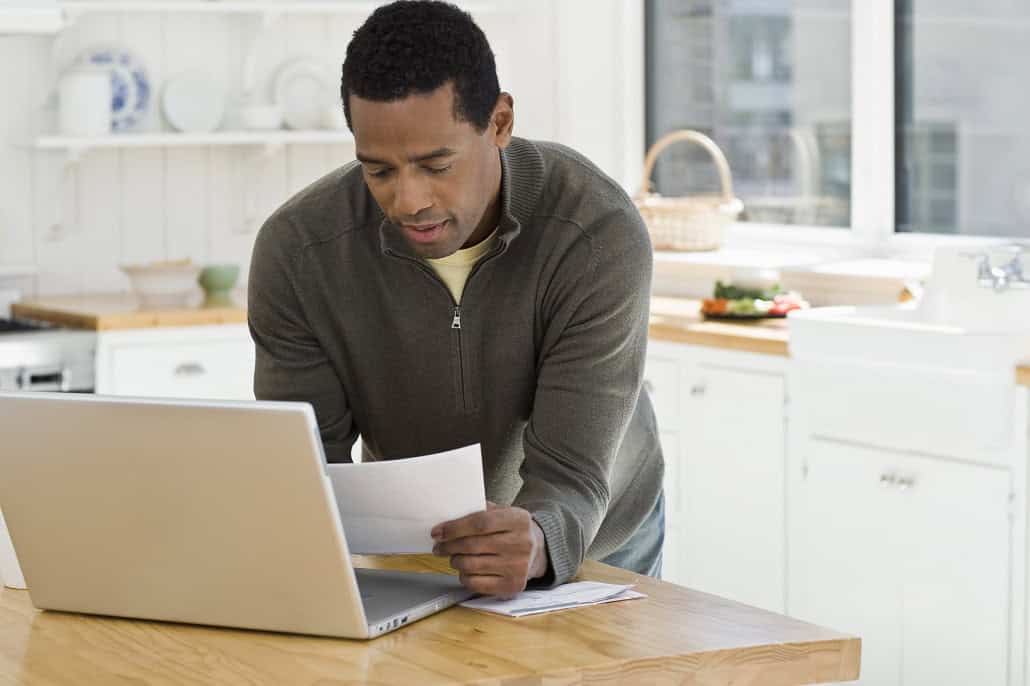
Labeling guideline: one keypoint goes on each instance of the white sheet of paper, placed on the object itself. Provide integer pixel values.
(392, 505)
(576, 594)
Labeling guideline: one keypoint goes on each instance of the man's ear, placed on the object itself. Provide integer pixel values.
(503, 119)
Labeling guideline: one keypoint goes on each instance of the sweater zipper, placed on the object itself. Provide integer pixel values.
(455, 313)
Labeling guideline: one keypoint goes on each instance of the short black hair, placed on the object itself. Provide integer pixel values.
(413, 47)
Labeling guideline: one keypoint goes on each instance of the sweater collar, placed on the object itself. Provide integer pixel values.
(522, 182)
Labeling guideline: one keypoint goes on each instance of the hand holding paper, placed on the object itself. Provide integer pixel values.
(391, 506)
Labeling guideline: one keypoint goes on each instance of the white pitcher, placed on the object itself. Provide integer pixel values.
(84, 95)
(10, 570)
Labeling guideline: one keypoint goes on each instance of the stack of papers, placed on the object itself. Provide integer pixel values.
(577, 594)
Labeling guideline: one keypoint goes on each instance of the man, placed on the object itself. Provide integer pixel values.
(457, 285)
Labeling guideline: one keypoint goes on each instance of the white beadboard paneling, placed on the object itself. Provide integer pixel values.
(307, 35)
(186, 199)
(142, 221)
(186, 179)
(83, 252)
(231, 241)
(15, 161)
(206, 203)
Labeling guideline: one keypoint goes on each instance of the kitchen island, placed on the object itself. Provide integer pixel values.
(674, 636)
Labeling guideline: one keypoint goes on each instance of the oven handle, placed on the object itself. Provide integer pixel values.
(61, 379)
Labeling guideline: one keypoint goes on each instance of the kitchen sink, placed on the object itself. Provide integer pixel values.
(910, 335)
(974, 316)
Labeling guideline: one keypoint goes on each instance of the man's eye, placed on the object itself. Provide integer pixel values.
(439, 170)
(378, 173)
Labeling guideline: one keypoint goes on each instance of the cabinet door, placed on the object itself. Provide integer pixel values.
(673, 550)
(911, 554)
(732, 476)
(844, 547)
(955, 575)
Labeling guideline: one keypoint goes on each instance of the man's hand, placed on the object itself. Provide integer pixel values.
(496, 551)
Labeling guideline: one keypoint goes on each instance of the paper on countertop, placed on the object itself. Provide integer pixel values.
(390, 506)
(566, 596)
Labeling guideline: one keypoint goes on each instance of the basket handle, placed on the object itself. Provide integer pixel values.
(694, 137)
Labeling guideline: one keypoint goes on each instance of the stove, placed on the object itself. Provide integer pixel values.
(43, 357)
(15, 326)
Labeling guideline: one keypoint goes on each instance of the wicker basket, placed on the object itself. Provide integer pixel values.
(689, 223)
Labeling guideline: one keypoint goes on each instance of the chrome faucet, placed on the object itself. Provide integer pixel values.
(1008, 275)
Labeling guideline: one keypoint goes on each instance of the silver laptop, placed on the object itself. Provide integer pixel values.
(216, 513)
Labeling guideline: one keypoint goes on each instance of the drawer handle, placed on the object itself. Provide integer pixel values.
(190, 369)
(888, 479)
(698, 389)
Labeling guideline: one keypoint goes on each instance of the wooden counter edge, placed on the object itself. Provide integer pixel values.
(1023, 375)
(743, 342)
(122, 321)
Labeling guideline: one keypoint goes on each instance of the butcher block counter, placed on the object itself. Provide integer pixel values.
(118, 312)
(679, 320)
(672, 319)
(674, 636)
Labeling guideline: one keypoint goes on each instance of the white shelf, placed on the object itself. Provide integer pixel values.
(29, 20)
(163, 140)
(229, 7)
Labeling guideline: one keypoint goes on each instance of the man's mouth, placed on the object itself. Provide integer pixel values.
(424, 233)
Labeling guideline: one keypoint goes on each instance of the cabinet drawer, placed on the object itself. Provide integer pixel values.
(212, 369)
(967, 416)
(661, 382)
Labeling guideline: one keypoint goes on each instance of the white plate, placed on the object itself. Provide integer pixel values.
(130, 85)
(193, 102)
(303, 90)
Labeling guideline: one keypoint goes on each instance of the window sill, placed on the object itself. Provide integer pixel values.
(827, 266)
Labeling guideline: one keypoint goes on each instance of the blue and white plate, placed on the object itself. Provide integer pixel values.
(130, 85)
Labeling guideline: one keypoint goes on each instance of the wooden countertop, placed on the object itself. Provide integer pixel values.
(672, 319)
(679, 320)
(120, 311)
(675, 635)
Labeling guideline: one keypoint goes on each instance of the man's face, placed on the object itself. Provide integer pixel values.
(435, 177)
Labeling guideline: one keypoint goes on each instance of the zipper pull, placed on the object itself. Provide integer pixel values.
(456, 322)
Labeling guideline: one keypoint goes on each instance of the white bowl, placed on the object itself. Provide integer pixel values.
(163, 284)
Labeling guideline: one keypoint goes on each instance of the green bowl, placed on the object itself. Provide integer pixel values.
(217, 280)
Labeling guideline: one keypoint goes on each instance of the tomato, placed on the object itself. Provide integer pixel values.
(713, 306)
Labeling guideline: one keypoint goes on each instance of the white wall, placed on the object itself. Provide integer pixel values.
(573, 66)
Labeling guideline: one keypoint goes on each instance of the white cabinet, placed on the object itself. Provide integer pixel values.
(911, 554)
(201, 362)
(661, 381)
(720, 415)
(732, 483)
(906, 518)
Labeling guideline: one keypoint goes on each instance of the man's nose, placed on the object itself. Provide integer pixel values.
(412, 195)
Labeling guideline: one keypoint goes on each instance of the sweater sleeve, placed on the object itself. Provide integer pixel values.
(291, 363)
(588, 381)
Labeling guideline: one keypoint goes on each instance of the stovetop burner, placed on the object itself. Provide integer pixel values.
(16, 325)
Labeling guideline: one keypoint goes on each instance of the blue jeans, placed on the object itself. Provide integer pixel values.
(642, 553)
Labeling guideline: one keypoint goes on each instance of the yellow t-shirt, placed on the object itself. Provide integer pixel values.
(455, 268)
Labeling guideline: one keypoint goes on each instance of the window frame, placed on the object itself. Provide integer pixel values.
(872, 227)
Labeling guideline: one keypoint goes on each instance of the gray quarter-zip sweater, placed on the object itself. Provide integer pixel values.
(541, 361)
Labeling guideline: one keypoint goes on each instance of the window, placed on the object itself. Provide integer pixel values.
(962, 104)
(770, 82)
